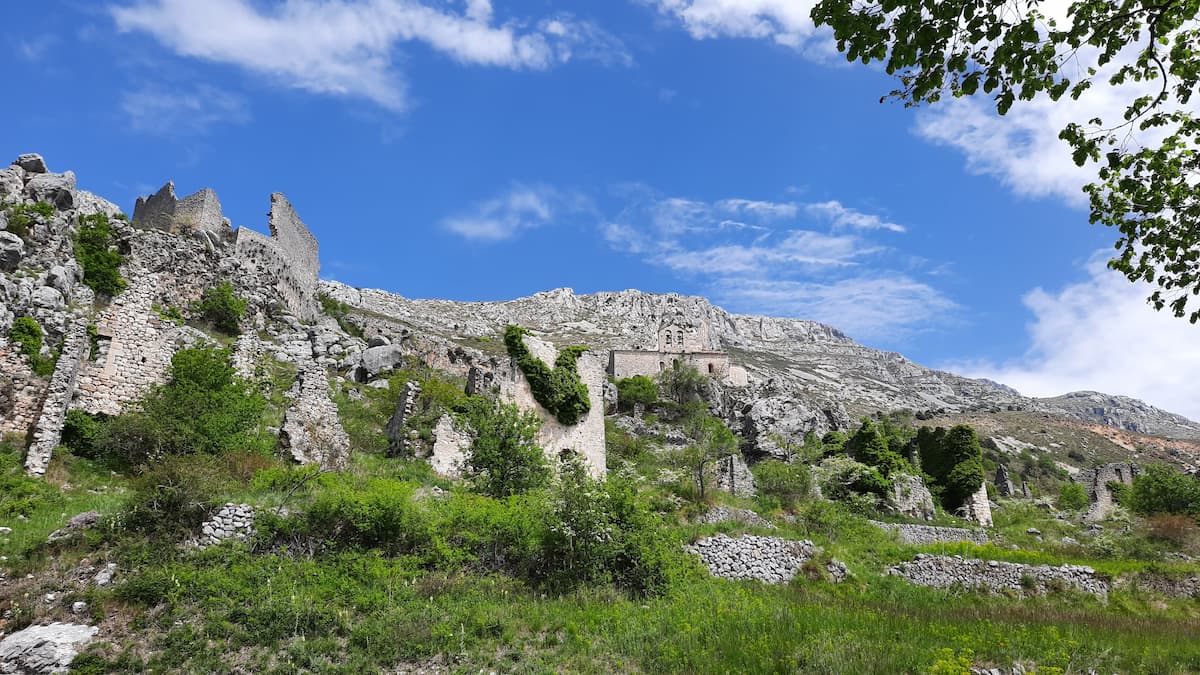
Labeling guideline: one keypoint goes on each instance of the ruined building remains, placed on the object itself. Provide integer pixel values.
(678, 340)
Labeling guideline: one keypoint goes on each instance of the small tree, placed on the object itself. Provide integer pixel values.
(869, 446)
(711, 441)
(634, 390)
(789, 483)
(222, 307)
(1164, 490)
(94, 249)
(682, 383)
(504, 458)
(1072, 497)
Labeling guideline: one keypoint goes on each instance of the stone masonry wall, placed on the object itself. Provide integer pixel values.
(286, 261)
(585, 438)
(929, 534)
(978, 508)
(47, 431)
(995, 576)
(198, 212)
(1096, 481)
(311, 430)
(21, 392)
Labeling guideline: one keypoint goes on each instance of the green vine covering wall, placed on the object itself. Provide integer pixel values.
(560, 390)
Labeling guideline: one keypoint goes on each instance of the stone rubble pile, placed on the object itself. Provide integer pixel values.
(233, 521)
(726, 514)
(995, 576)
(771, 560)
(929, 534)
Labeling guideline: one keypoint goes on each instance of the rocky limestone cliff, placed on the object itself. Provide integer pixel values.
(804, 375)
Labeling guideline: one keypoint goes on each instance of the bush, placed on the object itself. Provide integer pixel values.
(20, 495)
(26, 333)
(869, 446)
(82, 433)
(1163, 490)
(560, 391)
(203, 408)
(222, 307)
(634, 390)
(504, 458)
(842, 477)
(789, 483)
(683, 383)
(1072, 497)
(379, 515)
(21, 216)
(170, 499)
(339, 311)
(100, 262)
(954, 460)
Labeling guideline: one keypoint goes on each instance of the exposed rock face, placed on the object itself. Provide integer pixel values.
(910, 497)
(768, 559)
(1122, 412)
(734, 477)
(1096, 481)
(32, 162)
(1004, 485)
(44, 649)
(995, 576)
(12, 250)
(919, 535)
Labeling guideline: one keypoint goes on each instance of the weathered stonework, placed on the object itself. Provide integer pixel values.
(978, 508)
(586, 438)
(919, 535)
(285, 262)
(449, 448)
(678, 340)
(21, 392)
(311, 431)
(1004, 485)
(734, 477)
(994, 576)
(1096, 481)
(406, 406)
(910, 497)
(47, 431)
(771, 560)
(196, 213)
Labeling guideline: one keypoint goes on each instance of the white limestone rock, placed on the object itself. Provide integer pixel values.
(44, 649)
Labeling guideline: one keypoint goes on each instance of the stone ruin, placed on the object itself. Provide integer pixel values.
(678, 340)
(199, 213)
(1095, 482)
(285, 262)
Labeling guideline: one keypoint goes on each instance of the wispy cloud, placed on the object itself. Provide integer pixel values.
(169, 112)
(523, 207)
(34, 48)
(1099, 334)
(347, 48)
(819, 260)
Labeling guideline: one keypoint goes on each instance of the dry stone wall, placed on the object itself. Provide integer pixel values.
(311, 430)
(920, 535)
(771, 560)
(996, 576)
(1095, 482)
(47, 431)
(21, 392)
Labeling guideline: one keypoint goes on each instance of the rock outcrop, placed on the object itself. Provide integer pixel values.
(44, 649)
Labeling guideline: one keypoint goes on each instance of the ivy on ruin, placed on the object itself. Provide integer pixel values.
(560, 390)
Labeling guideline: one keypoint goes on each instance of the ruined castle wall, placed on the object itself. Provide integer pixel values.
(200, 211)
(629, 362)
(21, 392)
(311, 430)
(286, 261)
(135, 349)
(1095, 482)
(156, 212)
(585, 438)
(47, 431)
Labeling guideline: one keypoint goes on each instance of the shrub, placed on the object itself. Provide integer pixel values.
(621, 445)
(1072, 497)
(169, 499)
(381, 514)
(82, 433)
(1179, 531)
(100, 262)
(26, 333)
(711, 441)
(842, 477)
(634, 390)
(21, 216)
(222, 307)
(869, 446)
(953, 459)
(20, 495)
(203, 408)
(683, 383)
(1163, 490)
(504, 458)
(560, 391)
(789, 483)
(339, 311)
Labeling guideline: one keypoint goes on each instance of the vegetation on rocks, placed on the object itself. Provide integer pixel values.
(20, 216)
(560, 391)
(222, 307)
(26, 333)
(95, 250)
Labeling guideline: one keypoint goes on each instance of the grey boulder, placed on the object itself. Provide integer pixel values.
(32, 162)
(48, 297)
(376, 360)
(56, 188)
(44, 649)
(12, 249)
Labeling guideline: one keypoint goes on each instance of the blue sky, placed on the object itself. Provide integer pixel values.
(479, 150)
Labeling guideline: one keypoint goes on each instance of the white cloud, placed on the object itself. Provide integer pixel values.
(170, 112)
(785, 22)
(1101, 335)
(840, 217)
(523, 208)
(346, 48)
(872, 306)
(768, 257)
(33, 49)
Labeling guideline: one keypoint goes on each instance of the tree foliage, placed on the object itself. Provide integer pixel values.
(95, 250)
(222, 307)
(1013, 52)
(869, 446)
(682, 383)
(1072, 497)
(636, 389)
(560, 390)
(711, 441)
(504, 458)
(1163, 490)
(953, 459)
